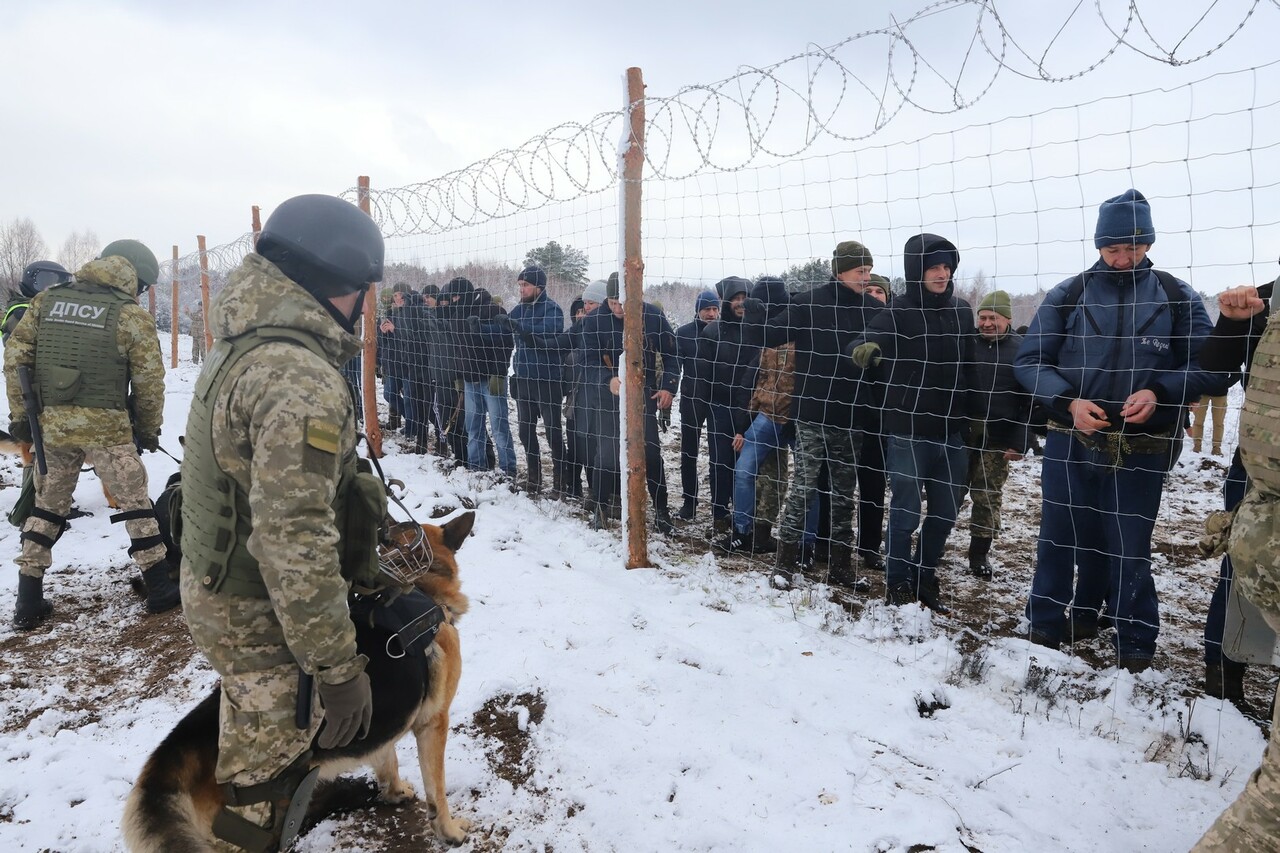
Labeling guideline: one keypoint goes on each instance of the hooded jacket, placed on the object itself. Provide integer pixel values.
(1121, 337)
(137, 343)
(730, 348)
(601, 343)
(823, 322)
(926, 346)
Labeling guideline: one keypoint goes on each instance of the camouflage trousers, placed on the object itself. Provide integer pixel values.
(771, 485)
(838, 448)
(988, 470)
(1252, 823)
(197, 346)
(121, 471)
(243, 641)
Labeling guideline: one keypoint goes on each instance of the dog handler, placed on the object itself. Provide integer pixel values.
(270, 521)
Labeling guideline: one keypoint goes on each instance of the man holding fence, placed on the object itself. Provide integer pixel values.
(1113, 354)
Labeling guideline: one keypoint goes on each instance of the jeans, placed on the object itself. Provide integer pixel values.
(762, 438)
(480, 400)
(1100, 516)
(939, 467)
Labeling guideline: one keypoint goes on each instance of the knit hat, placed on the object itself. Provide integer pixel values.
(596, 291)
(882, 280)
(706, 299)
(612, 290)
(458, 287)
(1124, 219)
(535, 275)
(401, 287)
(430, 290)
(850, 255)
(999, 302)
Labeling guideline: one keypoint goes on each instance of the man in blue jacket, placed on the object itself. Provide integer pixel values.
(1113, 354)
(537, 381)
(695, 397)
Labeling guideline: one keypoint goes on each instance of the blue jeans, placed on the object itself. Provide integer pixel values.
(940, 467)
(1101, 517)
(761, 438)
(480, 401)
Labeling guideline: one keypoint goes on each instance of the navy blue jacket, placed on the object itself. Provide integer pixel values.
(1121, 337)
(542, 316)
(602, 350)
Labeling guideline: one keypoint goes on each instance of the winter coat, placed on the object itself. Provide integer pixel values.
(823, 323)
(1232, 343)
(1119, 338)
(730, 348)
(602, 351)
(926, 347)
(695, 381)
(996, 398)
(542, 316)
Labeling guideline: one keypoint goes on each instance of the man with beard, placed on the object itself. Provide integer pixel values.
(537, 380)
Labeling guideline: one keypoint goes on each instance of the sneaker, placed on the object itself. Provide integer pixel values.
(736, 541)
(899, 595)
(930, 596)
(721, 526)
(807, 558)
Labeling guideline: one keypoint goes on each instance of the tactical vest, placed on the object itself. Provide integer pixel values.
(215, 513)
(1260, 420)
(78, 359)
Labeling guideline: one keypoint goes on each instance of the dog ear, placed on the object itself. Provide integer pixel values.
(457, 530)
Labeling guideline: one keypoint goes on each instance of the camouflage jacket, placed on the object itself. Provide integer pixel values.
(139, 345)
(775, 383)
(264, 432)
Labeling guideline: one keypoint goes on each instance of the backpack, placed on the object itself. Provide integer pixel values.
(1177, 302)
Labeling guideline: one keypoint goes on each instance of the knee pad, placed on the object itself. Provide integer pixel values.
(289, 793)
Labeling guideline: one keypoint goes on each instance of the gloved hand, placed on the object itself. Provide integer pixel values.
(150, 443)
(754, 310)
(348, 710)
(21, 431)
(866, 355)
(474, 322)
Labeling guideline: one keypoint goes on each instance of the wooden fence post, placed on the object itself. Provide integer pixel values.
(204, 291)
(632, 289)
(368, 377)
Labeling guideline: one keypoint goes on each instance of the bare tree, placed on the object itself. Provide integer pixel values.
(20, 244)
(974, 289)
(79, 248)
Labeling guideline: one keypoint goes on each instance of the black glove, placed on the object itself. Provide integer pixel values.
(148, 442)
(21, 431)
(474, 322)
(348, 709)
(753, 310)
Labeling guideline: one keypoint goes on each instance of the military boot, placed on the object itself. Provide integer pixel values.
(930, 595)
(393, 421)
(662, 521)
(840, 565)
(762, 541)
(32, 607)
(1225, 680)
(785, 566)
(979, 556)
(162, 592)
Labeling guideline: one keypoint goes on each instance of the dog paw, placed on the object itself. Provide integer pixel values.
(453, 833)
(398, 791)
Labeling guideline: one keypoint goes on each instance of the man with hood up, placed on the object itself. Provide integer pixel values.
(730, 349)
(1113, 354)
(94, 356)
(922, 346)
(695, 397)
(268, 484)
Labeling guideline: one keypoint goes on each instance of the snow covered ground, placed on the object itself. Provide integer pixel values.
(687, 707)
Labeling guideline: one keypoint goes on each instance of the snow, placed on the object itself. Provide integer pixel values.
(687, 708)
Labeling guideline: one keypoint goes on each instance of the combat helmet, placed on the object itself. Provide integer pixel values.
(41, 275)
(143, 260)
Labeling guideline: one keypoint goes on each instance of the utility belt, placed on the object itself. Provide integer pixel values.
(1119, 446)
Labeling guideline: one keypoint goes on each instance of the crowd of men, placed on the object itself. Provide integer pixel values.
(812, 405)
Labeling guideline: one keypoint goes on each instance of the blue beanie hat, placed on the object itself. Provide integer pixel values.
(535, 275)
(706, 299)
(1124, 219)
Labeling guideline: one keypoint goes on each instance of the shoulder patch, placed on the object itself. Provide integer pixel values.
(323, 435)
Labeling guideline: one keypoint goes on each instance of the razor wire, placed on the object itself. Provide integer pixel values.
(752, 115)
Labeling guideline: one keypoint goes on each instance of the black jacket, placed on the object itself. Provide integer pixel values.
(730, 347)
(997, 398)
(823, 323)
(695, 383)
(601, 344)
(1232, 343)
(926, 343)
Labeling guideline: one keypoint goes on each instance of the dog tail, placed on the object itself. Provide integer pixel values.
(171, 806)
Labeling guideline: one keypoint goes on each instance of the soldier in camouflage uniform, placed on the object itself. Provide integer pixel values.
(270, 444)
(196, 317)
(95, 356)
(1252, 822)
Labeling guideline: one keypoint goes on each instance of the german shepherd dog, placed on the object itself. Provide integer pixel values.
(174, 801)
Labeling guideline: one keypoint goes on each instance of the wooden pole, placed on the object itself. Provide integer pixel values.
(368, 378)
(173, 313)
(204, 292)
(151, 301)
(257, 226)
(632, 290)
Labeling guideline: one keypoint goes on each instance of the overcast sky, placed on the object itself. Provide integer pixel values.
(158, 121)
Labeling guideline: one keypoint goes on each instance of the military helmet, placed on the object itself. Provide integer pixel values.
(326, 245)
(143, 260)
(41, 275)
